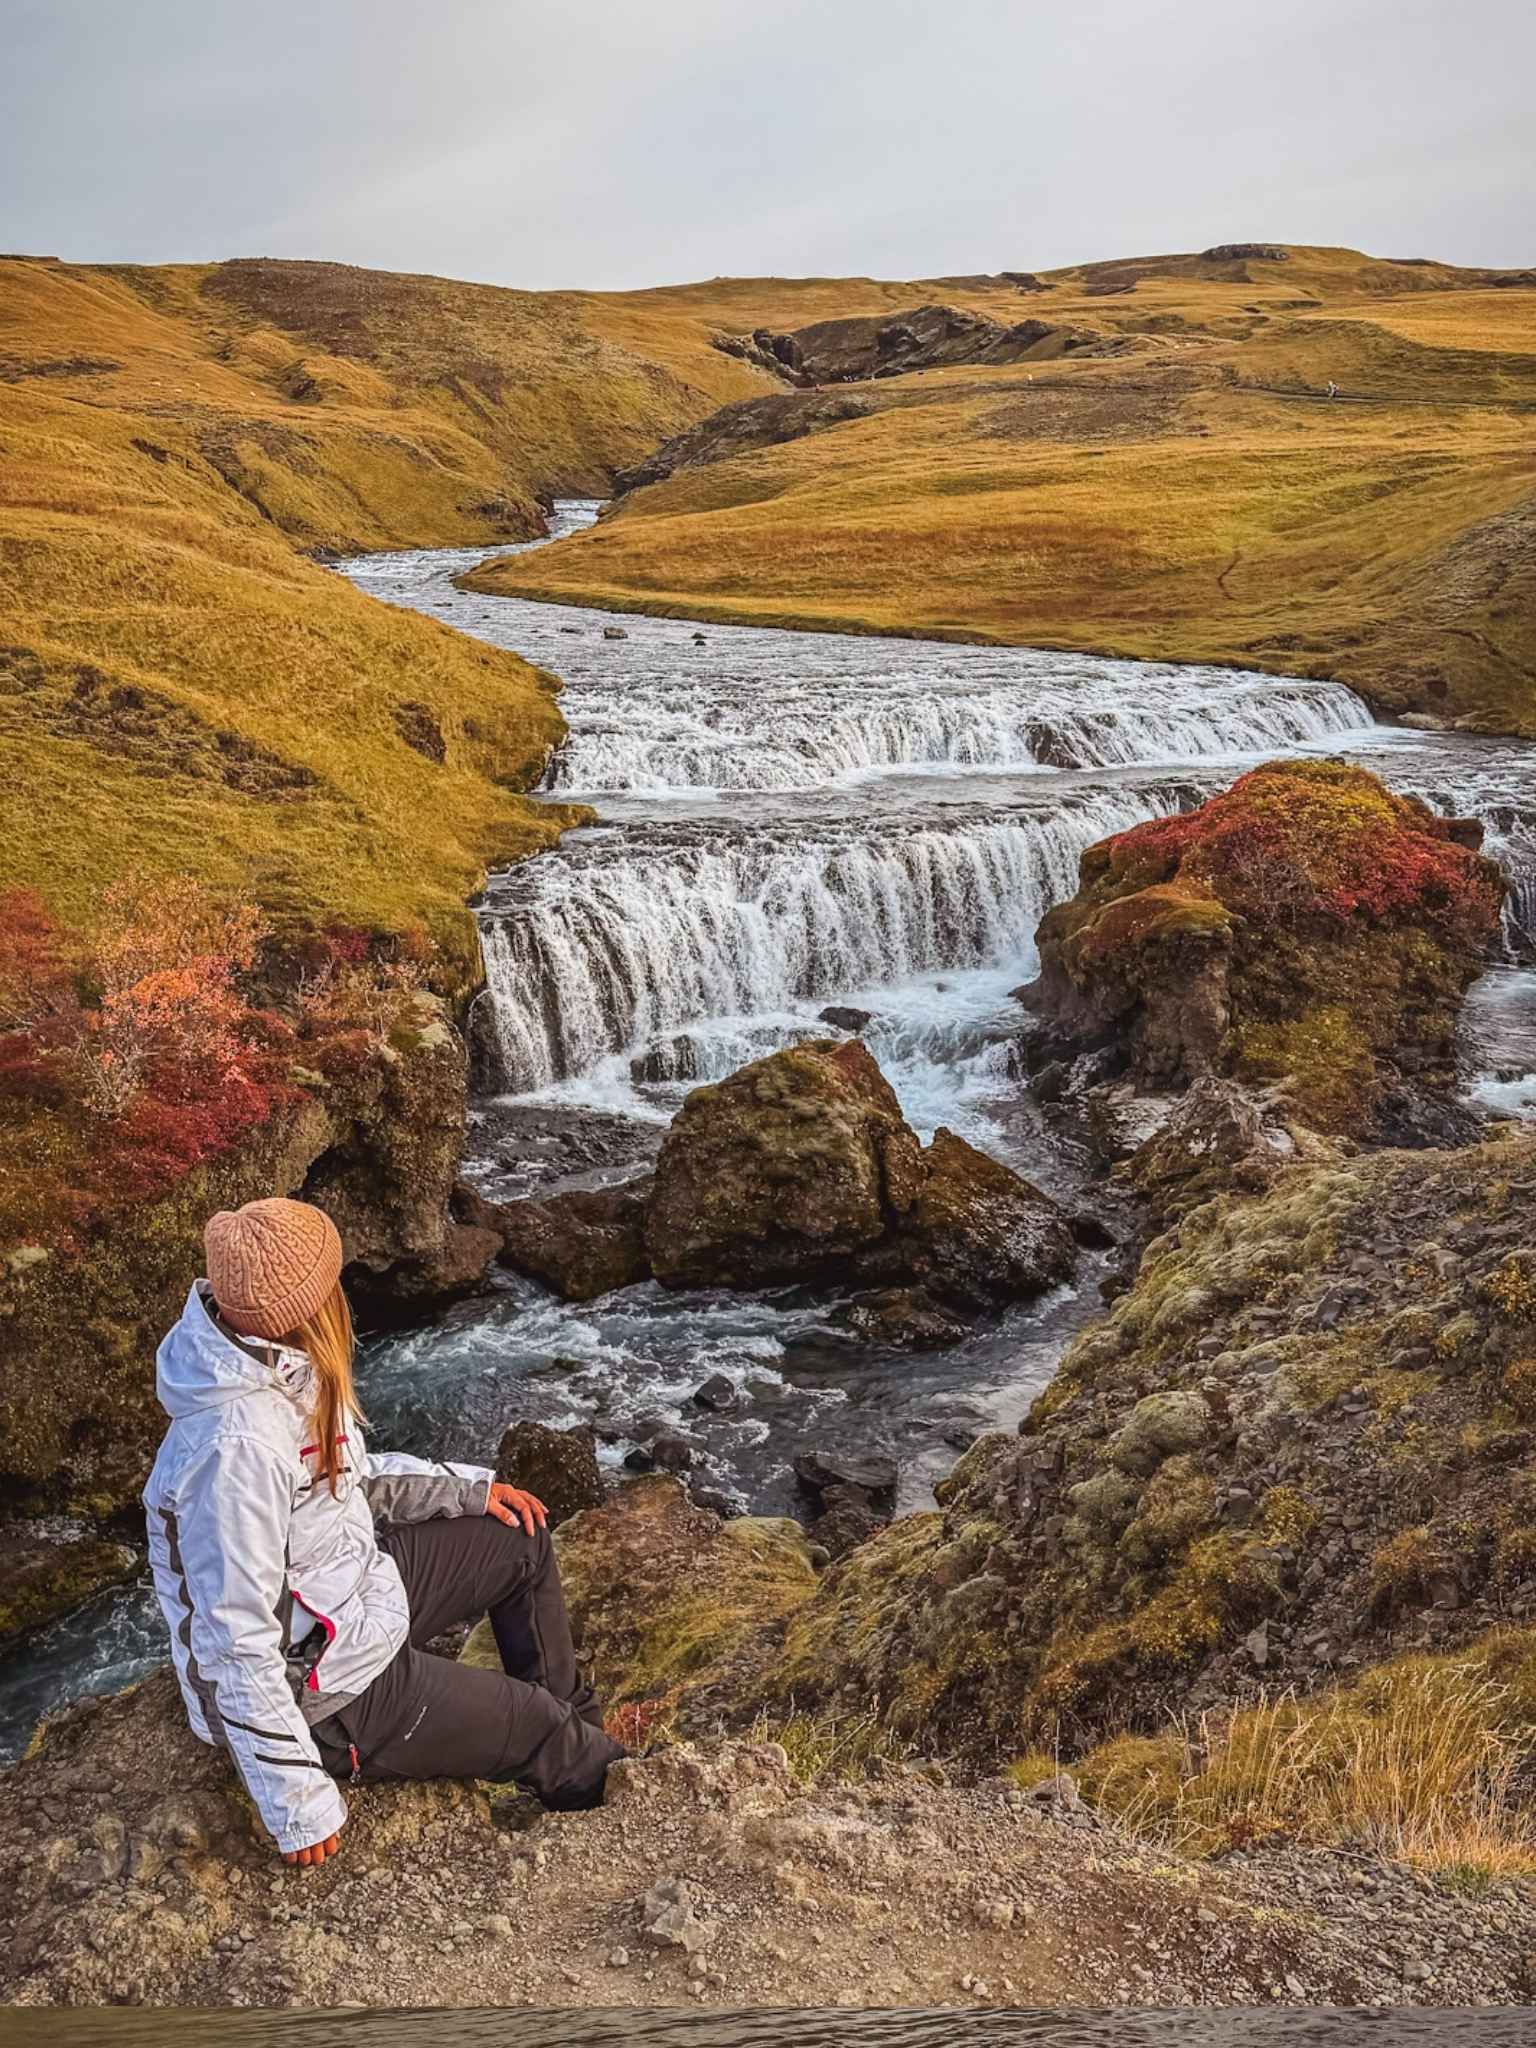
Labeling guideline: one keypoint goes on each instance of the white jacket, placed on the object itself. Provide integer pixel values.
(280, 1603)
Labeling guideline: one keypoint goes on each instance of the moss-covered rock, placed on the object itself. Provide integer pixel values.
(377, 1147)
(802, 1167)
(46, 1571)
(1307, 926)
(674, 1607)
(793, 1165)
(1299, 1440)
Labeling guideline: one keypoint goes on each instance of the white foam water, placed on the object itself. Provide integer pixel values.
(593, 951)
(848, 730)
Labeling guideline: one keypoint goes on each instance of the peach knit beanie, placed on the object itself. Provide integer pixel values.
(271, 1265)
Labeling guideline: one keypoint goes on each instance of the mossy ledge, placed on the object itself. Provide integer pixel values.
(377, 1146)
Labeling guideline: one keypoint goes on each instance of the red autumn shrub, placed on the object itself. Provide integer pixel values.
(132, 1055)
(1315, 839)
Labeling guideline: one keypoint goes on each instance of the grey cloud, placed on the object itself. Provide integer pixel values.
(614, 145)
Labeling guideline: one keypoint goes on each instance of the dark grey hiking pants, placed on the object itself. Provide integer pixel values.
(535, 1722)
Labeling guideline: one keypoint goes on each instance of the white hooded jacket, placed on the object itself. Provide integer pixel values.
(280, 1603)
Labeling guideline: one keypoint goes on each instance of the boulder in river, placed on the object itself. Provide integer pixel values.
(869, 1472)
(903, 1319)
(47, 1569)
(669, 1059)
(717, 1393)
(582, 1243)
(1306, 926)
(977, 1234)
(843, 1017)
(801, 1167)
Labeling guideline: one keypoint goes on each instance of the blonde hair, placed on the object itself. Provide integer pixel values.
(328, 1338)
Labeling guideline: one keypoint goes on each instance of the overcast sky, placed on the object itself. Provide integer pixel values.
(652, 141)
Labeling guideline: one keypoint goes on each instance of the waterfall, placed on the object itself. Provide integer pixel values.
(840, 730)
(590, 951)
(1509, 822)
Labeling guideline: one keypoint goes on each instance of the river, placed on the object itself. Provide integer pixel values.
(788, 821)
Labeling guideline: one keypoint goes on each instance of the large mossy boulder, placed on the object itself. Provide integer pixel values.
(802, 1167)
(1301, 1443)
(1306, 926)
(794, 1164)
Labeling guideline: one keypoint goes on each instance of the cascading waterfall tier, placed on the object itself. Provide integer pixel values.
(600, 947)
(1015, 710)
(878, 810)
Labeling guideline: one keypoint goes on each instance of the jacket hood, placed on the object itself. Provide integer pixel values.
(198, 1366)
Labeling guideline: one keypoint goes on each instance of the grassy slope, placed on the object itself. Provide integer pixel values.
(181, 686)
(1193, 499)
(191, 691)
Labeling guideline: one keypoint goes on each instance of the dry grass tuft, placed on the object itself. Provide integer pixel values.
(1421, 1762)
(830, 1746)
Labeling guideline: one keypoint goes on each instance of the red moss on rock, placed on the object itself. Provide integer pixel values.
(1307, 924)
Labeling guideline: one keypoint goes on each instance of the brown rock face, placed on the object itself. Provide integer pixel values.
(582, 1244)
(789, 1168)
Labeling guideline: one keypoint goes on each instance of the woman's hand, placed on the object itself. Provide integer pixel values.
(510, 1505)
(316, 1852)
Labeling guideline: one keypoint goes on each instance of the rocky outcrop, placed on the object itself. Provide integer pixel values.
(1245, 252)
(1219, 1138)
(892, 345)
(1308, 927)
(802, 1167)
(749, 423)
(1299, 1445)
(377, 1146)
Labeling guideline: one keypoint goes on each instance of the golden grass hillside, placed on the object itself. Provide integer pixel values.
(180, 687)
(1194, 496)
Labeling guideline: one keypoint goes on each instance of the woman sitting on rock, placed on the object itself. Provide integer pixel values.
(301, 1575)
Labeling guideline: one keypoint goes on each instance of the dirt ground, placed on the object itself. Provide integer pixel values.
(135, 1875)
